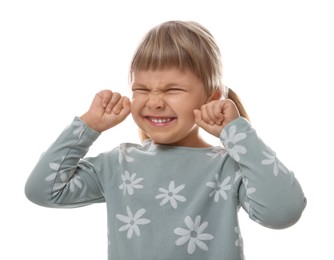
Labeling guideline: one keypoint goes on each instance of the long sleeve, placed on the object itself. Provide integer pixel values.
(156, 198)
(61, 178)
(268, 190)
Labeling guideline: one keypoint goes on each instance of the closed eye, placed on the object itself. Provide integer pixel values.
(140, 90)
(175, 90)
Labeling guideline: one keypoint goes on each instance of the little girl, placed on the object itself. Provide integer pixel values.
(174, 196)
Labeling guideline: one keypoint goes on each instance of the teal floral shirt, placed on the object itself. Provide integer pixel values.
(168, 202)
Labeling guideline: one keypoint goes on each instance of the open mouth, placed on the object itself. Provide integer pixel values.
(160, 121)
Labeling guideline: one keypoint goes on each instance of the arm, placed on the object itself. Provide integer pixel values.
(61, 177)
(268, 191)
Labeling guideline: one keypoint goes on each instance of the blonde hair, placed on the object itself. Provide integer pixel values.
(185, 45)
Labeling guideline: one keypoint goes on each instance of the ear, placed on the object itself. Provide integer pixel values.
(217, 94)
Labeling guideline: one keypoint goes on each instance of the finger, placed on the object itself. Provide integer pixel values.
(199, 119)
(205, 115)
(212, 129)
(214, 112)
(230, 111)
(118, 106)
(212, 118)
(217, 112)
(112, 102)
(105, 96)
(197, 114)
(126, 107)
(123, 113)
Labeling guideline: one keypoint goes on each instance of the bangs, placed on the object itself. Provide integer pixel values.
(182, 45)
(160, 50)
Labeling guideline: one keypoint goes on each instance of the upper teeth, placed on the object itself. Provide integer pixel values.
(159, 121)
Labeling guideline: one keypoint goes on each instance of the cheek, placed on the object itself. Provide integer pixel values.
(186, 105)
(135, 113)
(134, 107)
(137, 107)
(136, 103)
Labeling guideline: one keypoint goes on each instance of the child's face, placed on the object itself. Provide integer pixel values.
(163, 104)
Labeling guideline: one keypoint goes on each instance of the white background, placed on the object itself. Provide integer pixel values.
(55, 55)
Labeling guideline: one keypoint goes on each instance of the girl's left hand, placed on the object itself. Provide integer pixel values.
(215, 115)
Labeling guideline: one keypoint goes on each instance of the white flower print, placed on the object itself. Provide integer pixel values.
(56, 166)
(272, 159)
(219, 189)
(66, 177)
(249, 190)
(130, 183)
(217, 151)
(52, 176)
(171, 195)
(75, 182)
(193, 235)
(79, 128)
(239, 242)
(152, 148)
(132, 221)
(124, 154)
(231, 141)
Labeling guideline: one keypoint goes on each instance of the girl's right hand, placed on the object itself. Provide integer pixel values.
(107, 110)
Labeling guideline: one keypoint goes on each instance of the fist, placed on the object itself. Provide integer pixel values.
(107, 110)
(215, 115)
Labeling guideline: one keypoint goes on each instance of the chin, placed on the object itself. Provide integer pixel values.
(159, 141)
(163, 141)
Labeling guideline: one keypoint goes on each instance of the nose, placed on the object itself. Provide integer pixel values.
(155, 101)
